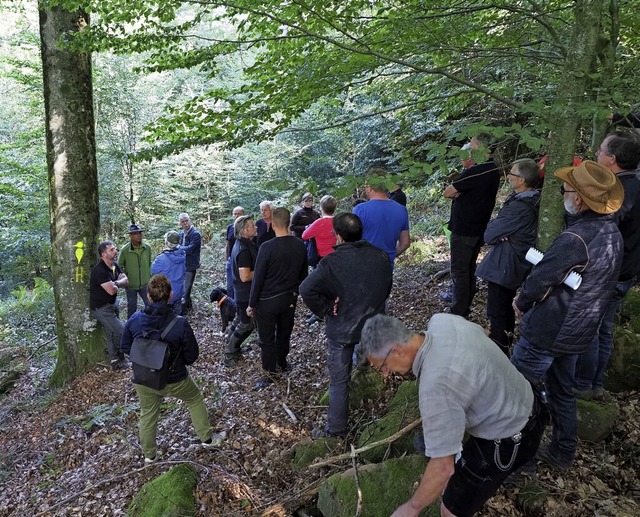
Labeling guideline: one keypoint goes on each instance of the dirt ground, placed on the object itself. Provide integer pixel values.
(75, 451)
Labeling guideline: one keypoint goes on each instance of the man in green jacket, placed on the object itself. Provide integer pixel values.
(135, 260)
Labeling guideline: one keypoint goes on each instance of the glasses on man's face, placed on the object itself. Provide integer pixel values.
(512, 174)
(563, 190)
(381, 367)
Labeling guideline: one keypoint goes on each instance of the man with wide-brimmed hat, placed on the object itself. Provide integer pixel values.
(135, 261)
(558, 321)
(620, 152)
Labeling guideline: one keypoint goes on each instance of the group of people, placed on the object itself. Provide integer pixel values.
(470, 381)
(467, 382)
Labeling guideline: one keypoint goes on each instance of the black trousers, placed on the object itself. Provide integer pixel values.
(501, 315)
(275, 317)
(464, 255)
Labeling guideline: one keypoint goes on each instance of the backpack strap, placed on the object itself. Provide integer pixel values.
(169, 327)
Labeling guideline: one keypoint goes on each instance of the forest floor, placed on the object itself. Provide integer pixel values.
(75, 451)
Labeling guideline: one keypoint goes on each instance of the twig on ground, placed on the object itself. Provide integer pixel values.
(348, 455)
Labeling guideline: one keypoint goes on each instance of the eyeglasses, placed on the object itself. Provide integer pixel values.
(381, 367)
(563, 190)
(512, 174)
(605, 151)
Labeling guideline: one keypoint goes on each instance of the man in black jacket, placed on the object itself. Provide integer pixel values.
(560, 322)
(619, 152)
(473, 195)
(510, 235)
(349, 286)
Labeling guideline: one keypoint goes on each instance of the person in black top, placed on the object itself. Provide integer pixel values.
(280, 267)
(398, 195)
(231, 240)
(304, 216)
(243, 260)
(473, 195)
(106, 279)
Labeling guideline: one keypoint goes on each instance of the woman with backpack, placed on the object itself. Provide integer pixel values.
(159, 323)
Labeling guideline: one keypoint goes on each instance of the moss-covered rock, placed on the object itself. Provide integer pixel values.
(384, 487)
(595, 420)
(307, 451)
(623, 372)
(630, 310)
(168, 495)
(365, 385)
(403, 409)
(532, 500)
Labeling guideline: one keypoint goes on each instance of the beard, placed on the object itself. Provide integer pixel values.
(570, 207)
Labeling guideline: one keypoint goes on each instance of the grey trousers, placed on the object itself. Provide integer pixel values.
(109, 316)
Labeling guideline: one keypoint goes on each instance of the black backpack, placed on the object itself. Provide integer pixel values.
(150, 359)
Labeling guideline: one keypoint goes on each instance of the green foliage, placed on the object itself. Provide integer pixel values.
(27, 316)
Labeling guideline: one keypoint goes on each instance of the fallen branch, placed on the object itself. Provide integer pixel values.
(370, 446)
(292, 416)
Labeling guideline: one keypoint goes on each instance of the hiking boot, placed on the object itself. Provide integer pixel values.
(264, 382)
(545, 456)
(149, 461)
(598, 394)
(215, 440)
(583, 394)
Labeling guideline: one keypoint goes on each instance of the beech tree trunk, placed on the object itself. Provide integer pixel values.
(565, 118)
(73, 191)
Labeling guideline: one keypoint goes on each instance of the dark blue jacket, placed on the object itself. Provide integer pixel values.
(182, 342)
(511, 234)
(558, 318)
(191, 242)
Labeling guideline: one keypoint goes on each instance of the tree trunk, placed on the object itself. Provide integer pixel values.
(73, 192)
(565, 119)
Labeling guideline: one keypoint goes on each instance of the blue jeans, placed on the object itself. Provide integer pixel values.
(339, 363)
(464, 255)
(228, 269)
(592, 364)
(132, 299)
(557, 371)
(109, 316)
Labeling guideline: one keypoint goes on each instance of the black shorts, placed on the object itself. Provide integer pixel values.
(478, 475)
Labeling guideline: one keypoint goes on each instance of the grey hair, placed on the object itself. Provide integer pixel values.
(265, 203)
(240, 224)
(528, 169)
(239, 209)
(380, 333)
(184, 215)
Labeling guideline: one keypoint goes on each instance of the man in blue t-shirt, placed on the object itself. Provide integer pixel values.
(385, 223)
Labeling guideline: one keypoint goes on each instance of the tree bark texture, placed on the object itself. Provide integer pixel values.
(73, 191)
(565, 121)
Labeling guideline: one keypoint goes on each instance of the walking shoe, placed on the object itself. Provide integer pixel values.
(320, 433)
(598, 394)
(583, 394)
(120, 364)
(545, 456)
(264, 382)
(446, 296)
(522, 476)
(149, 461)
(215, 440)
(312, 319)
(230, 361)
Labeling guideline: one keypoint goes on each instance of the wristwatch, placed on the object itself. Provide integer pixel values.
(117, 284)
